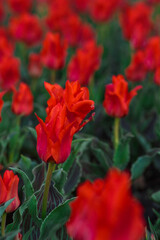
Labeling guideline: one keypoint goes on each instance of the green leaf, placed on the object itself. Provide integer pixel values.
(39, 176)
(26, 161)
(10, 235)
(27, 183)
(122, 155)
(3, 208)
(55, 220)
(59, 177)
(17, 218)
(78, 147)
(156, 196)
(32, 131)
(28, 234)
(140, 166)
(73, 178)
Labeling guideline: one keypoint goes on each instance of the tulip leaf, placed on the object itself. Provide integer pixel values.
(122, 155)
(31, 217)
(28, 234)
(39, 176)
(27, 183)
(17, 218)
(55, 220)
(140, 166)
(59, 177)
(32, 131)
(10, 235)
(73, 178)
(156, 196)
(3, 208)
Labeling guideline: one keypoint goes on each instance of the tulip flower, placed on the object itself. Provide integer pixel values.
(20, 6)
(26, 28)
(54, 51)
(137, 71)
(151, 51)
(85, 63)
(136, 23)
(9, 190)
(106, 209)
(65, 113)
(22, 102)
(65, 116)
(9, 72)
(6, 48)
(118, 98)
(102, 10)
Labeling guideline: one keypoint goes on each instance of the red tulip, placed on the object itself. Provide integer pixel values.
(65, 114)
(18, 237)
(106, 209)
(102, 10)
(118, 98)
(9, 190)
(136, 23)
(35, 67)
(81, 5)
(2, 13)
(59, 11)
(137, 71)
(9, 72)
(20, 6)
(54, 51)
(6, 48)
(1, 103)
(84, 64)
(22, 102)
(26, 28)
(152, 56)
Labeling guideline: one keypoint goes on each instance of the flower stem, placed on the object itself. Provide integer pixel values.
(116, 132)
(3, 223)
(51, 168)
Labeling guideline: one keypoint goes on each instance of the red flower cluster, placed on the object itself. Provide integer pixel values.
(136, 23)
(106, 209)
(63, 19)
(99, 10)
(22, 103)
(9, 72)
(65, 114)
(6, 48)
(118, 98)
(9, 190)
(84, 64)
(54, 51)
(102, 10)
(20, 6)
(136, 71)
(145, 60)
(26, 28)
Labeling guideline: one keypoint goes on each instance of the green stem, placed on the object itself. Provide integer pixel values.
(12, 151)
(116, 132)
(53, 76)
(51, 168)
(3, 223)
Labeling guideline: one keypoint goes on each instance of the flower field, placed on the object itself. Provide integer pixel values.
(79, 119)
